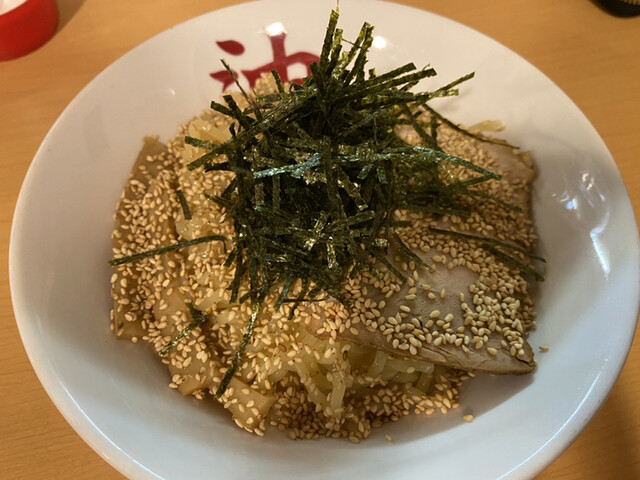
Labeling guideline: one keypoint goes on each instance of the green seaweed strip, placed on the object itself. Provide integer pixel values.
(239, 355)
(186, 211)
(199, 318)
(244, 120)
(218, 200)
(374, 87)
(408, 253)
(438, 155)
(385, 261)
(278, 80)
(494, 199)
(448, 90)
(428, 140)
(487, 240)
(196, 142)
(327, 44)
(114, 262)
(242, 90)
(459, 129)
(509, 260)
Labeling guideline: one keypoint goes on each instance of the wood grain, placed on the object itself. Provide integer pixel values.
(593, 56)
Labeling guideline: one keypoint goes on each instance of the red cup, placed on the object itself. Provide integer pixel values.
(27, 27)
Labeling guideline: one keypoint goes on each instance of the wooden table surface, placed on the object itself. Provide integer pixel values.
(591, 55)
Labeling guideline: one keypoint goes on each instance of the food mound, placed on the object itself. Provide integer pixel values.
(327, 257)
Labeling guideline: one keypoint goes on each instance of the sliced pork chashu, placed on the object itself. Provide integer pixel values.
(468, 311)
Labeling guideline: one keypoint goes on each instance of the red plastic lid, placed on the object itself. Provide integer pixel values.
(27, 27)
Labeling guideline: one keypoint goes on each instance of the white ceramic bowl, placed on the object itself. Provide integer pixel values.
(115, 394)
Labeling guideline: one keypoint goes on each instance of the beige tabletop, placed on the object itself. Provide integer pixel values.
(591, 55)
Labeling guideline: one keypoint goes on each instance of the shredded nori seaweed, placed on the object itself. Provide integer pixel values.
(186, 211)
(198, 319)
(114, 262)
